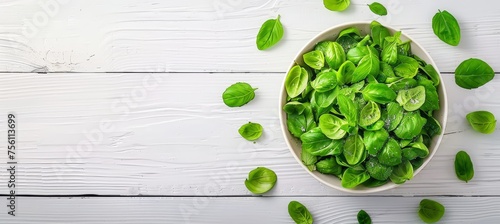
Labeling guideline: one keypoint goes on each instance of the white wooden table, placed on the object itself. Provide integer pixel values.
(120, 117)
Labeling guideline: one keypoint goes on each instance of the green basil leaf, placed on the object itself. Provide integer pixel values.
(369, 114)
(344, 74)
(336, 5)
(446, 27)
(392, 116)
(296, 81)
(379, 93)
(314, 59)
(349, 31)
(331, 126)
(411, 125)
(463, 166)
(307, 158)
(298, 124)
(411, 99)
(390, 52)
(415, 149)
(482, 121)
(354, 149)
(329, 166)
(333, 53)
(270, 33)
(368, 65)
(378, 9)
(363, 217)
(251, 131)
(430, 211)
(473, 73)
(325, 81)
(349, 109)
(430, 71)
(353, 177)
(374, 140)
(356, 54)
(261, 180)
(316, 143)
(402, 173)
(371, 183)
(294, 108)
(379, 33)
(403, 83)
(238, 94)
(407, 67)
(432, 127)
(405, 49)
(431, 96)
(377, 170)
(347, 42)
(299, 213)
(391, 154)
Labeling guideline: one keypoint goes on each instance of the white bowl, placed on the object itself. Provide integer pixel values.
(294, 144)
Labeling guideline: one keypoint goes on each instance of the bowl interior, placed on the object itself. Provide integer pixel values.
(294, 144)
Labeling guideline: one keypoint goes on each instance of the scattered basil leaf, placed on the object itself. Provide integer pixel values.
(299, 213)
(363, 217)
(378, 9)
(482, 121)
(473, 73)
(430, 211)
(238, 94)
(463, 166)
(270, 33)
(446, 27)
(261, 180)
(336, 5)
(251, 131)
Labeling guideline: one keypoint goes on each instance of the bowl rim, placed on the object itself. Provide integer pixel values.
(282, 115)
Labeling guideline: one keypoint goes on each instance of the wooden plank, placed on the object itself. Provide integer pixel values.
(213, 35)
(170, 134)
(244, 210)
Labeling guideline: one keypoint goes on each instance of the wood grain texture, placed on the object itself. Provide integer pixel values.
(244, 210)
(212, 35)
(170, 134)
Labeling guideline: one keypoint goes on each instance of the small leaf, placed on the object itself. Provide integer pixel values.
(482, 121)
(238, 94)
(430, 211)
(446, 27)
(463, 166)
(251, 131)
(363, 217)
(336, 5)
(299, 213)
(261, 180)
(473, 73)
(270, 33)
(378, 9)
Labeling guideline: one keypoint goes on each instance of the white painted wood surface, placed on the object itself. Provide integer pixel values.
(265, 210)
(212, 35)
(163, 131)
